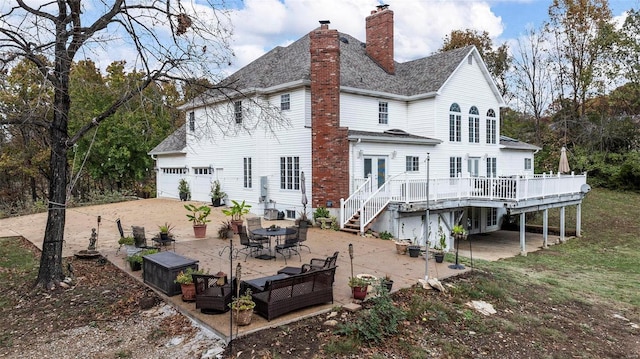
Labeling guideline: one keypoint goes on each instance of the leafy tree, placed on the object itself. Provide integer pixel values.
(52, 35)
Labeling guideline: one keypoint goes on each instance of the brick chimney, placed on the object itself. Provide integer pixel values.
(380, 37)
(329, 145)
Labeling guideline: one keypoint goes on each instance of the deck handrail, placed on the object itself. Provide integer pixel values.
(350, 206)
(379, 199)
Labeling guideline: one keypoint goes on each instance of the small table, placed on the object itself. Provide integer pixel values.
(269, 233)
(257, 285)
(160, 270)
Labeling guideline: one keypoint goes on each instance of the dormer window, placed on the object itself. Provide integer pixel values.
(383, 113)
(285, 102)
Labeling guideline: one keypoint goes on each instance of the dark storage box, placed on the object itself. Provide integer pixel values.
(161, 269)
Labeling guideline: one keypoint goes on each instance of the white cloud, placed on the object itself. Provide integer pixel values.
(420, 26)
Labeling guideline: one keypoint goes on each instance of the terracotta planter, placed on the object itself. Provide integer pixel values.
(188, 292)
(359, 292)
(401, 247)
(242, 317)
(200, 230)
(236, 226)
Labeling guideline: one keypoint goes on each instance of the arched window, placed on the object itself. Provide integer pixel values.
(455, 123)
(474, 125)
(491, 126)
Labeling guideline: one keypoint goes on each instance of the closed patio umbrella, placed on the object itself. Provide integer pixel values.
(563, 165)
(303, 189)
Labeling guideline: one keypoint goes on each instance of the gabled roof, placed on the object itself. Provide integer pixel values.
(175, 143)
(291, 65)
(513, 144)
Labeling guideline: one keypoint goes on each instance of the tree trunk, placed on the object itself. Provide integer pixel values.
(50, 272)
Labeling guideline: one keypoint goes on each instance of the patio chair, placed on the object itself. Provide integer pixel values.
(289, 245)
(213, 293)
(254, 223)
(139, 236)
(121, 231)
(315, 263)
(302, 237)
(249, 246)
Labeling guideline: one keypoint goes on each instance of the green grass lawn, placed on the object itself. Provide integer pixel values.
(603, 265)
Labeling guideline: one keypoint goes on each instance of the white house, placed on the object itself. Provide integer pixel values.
(400, 147)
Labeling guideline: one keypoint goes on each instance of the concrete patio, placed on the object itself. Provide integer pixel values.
(371, 255)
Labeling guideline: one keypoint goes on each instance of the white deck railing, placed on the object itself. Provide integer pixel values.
(513, 188)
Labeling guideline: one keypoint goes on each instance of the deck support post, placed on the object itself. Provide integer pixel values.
(523, 247)
(579, 220)
(562, 212)
(545, 228)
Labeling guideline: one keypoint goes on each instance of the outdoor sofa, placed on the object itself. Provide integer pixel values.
(289, 293)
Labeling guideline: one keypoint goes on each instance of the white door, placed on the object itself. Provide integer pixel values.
(376, 166)
(473, 166)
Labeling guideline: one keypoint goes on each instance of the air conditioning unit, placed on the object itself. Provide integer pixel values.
(271, 214)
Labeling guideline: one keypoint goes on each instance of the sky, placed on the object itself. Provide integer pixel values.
(420, 25)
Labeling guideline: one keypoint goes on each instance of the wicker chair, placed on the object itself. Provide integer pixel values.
(315, 263)
(213, 293)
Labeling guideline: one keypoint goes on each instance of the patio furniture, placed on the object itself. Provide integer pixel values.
(257, 285)
(281, 296)
(254, 223)
(302, 237)
(213, 293)
(315, 263)
(164, 242)
(160, 270)
(273, 233)
(249, 246)
(289, 245)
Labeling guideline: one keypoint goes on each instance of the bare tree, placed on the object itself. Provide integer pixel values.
(531, 77)
(170, 39)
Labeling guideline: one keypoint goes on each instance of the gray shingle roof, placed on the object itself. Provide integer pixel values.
(513, 144)
(292, 63)
(175, 143)
(391, 136)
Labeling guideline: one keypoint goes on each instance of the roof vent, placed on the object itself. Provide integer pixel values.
(396, 131)
(344, 40)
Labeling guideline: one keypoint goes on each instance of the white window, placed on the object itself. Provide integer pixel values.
(202, 170)
(285, 102)
(492, 217)
(247, 172)
(237, 108)
(491, 167)
(455, 123)
(527, 163)
(474, 125)
(174, 170)
(192, 121)
(413, 164)
(491, 126)
(455, 166)
(290, 173)
(383, 113)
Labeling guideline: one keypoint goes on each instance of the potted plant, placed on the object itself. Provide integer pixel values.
(129, 245)
(187, 286)
(165, 230)
(135, 260)
(216, 194)
(440, 245)
(242, 308)
(225, 230)
(458, 232)
(320, 215)
(303, 220)
(414, 249)
(183, 190)
(359, 287)
(236, 211)
(402, 245)
(198, 215)
(387, 282)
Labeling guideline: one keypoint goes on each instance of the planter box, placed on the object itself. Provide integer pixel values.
(161, 269)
